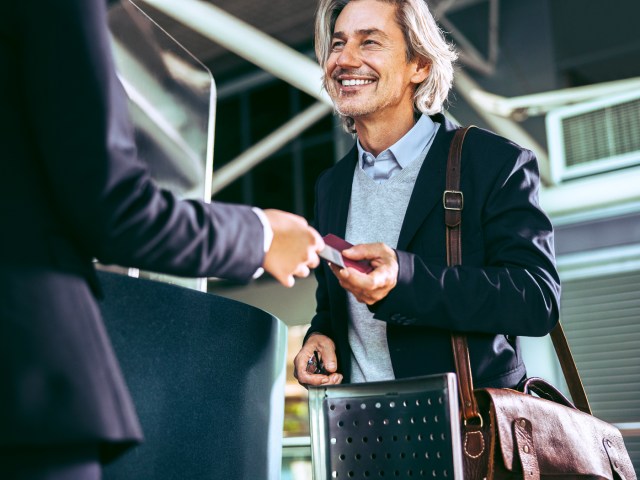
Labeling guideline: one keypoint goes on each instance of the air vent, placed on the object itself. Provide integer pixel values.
(594, 137)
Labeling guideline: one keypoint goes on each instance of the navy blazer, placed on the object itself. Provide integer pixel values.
(507, 285)
(72, 189)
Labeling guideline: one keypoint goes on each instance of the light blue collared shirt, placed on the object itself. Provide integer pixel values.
(400, 154)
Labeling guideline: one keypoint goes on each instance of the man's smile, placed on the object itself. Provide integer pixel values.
(353, 78)
(355, 82)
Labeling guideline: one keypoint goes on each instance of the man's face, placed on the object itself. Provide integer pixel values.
(367, 73)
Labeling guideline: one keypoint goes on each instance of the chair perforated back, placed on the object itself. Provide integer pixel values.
(405, 428)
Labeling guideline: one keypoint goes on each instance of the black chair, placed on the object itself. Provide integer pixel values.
(207, 377)
(405, 428)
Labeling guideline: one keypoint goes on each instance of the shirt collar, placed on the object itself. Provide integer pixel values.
(412, 143)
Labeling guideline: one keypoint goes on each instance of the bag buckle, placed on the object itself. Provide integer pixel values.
(453, 200)
(478, 416)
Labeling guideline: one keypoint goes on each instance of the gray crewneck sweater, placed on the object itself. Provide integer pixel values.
(376, 213)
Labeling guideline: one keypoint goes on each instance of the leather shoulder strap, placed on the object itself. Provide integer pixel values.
(569, 369)
(453, 201)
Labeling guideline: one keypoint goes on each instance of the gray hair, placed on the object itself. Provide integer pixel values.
(423, 39)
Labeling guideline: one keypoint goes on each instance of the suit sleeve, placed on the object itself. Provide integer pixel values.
(513, 290)
(102, 192)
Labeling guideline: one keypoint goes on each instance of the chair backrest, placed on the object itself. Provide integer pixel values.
(207, 377)
(405, 428)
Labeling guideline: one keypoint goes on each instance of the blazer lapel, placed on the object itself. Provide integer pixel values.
(429, 186)
(340, 194)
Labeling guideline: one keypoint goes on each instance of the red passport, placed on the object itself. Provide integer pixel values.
(332, 252)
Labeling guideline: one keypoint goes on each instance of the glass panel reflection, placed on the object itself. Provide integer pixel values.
(172, 105)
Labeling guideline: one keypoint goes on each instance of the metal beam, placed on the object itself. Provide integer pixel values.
(519, 108)
(469, 54)
(268, 146)
(248, 42)
(504, 126)
(451, 5)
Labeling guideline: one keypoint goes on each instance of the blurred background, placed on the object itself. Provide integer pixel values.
(227, 103)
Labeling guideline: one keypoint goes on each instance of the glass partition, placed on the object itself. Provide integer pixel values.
(172, 105)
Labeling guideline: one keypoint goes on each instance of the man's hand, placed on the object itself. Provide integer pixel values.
(375, 285)
(294, 249)
(327, 352)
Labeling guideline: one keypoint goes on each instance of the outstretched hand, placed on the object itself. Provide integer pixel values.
(294, 249)
(376, 285)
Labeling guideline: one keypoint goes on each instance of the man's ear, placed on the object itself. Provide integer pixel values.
(422, 69)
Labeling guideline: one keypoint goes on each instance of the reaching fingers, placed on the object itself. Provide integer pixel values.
(286, 280)
(302, 271)
(313, 260)
(294, 247)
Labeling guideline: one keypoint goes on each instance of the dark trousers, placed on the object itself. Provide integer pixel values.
(50, 463)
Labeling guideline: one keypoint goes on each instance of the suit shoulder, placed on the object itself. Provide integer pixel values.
(492, 152)
(486, 140)
(498, 161)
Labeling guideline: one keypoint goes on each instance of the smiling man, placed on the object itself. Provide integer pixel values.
(388, 70)
(369, 77)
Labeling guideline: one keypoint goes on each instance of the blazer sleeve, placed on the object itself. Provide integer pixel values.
(108, 204)
(512, 287)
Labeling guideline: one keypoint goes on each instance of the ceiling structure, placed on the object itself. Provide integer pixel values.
(473, 25)
(291, 22)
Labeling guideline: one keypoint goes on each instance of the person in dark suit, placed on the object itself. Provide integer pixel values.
(388, 70)
(71, 190)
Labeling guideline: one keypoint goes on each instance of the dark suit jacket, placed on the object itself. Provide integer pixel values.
(507, 286)
(71, 189)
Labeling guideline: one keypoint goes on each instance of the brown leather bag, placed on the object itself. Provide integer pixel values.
(509, 434)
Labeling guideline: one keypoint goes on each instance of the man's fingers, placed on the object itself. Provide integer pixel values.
(322, 347)
(286, 280)
(328, 358)
(314, 262)
(305, 377)
(369, 251)
(335, 269)
(294, 247)
(372, 287)
(302, 271)
(319, 379)
(318, 244)
(318, 241)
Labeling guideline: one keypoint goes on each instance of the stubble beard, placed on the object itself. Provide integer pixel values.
(353, 104)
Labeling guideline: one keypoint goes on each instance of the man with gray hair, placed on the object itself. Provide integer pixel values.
(388, 70)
